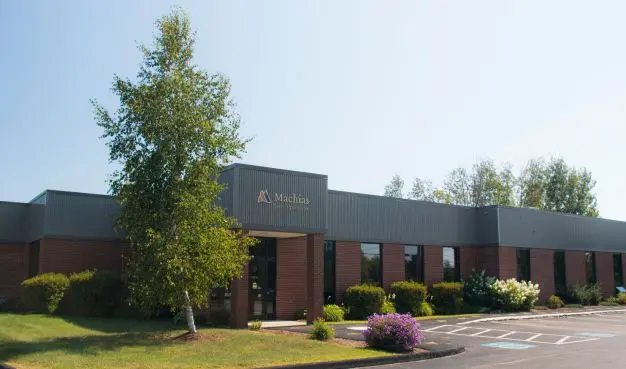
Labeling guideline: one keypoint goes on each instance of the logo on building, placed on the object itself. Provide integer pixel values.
(291, 201)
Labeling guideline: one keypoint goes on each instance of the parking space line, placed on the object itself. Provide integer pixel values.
(533, 337)
(457, 330)
(479, 333)
(562, 340)
(507, 334)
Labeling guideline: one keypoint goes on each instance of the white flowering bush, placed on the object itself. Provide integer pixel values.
(512, 295)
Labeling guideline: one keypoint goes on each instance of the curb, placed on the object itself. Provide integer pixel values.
(537, 316)
(394, 359)
(5, 366)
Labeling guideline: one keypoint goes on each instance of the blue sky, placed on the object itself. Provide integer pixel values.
(357, 90)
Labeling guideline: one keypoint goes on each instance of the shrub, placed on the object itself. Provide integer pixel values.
(219, 317)
(595, 293)
(321, 330)
(92, 293)
(554, 302)
(333, 313)
(425, 309)
(255, 325)
(611, 301)
(394, 332)
(42, 293)
(621, 298)
(447, 297)
(477, 289)
(409, 296)
(387, 308)
(588, 294)
(364, 300)
(513, 295)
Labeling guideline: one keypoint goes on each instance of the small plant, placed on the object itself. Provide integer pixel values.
(611, 301)
(393, 332)
(621, 298)
(42, 293)
(514, 295)
(321, 330)
(555, 302)
(255, 325)
(595, 293)
(447, 297)
(409, 296)
(387, 308)
(333, 313)
(364, 300)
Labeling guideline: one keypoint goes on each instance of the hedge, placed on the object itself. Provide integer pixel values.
(93, 293)
(42, 293)
(447, 297)
(409, 297)
(363, 300)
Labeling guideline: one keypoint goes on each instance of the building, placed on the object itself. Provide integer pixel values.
(316, 242)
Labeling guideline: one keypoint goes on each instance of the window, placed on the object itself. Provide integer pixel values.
(523, 264)
(618, 275)
(560, 284)
(329, 272)
(451, 272)
(413, 263)
(371, 263)
(590, 266)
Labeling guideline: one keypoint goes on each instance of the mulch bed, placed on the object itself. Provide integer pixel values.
(194, 337)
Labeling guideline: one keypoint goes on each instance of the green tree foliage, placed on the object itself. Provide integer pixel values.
(395, 187)
(422, 190)
(173, 133)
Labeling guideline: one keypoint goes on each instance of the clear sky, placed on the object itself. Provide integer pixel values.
(357, 90)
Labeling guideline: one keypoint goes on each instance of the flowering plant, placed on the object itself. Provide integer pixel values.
(512, 294)
(397, 332)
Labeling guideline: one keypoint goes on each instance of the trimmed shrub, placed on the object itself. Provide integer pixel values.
(514, 295)
(321, 330)
(387, 308)
(425, 309)
(93, 293)
(477, 289)
(42, 293)
(393, 332)
(364, 300)
(588, 294)
(333, 313)
(621, 298)
(447, 297)
(409, 296)
(554, 302)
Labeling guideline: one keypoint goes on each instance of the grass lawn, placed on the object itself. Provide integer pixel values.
(432, 317)
(39, 341)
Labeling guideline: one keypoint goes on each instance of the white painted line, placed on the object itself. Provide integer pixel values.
(479, 333)
(433, 328)
(457, 330)
(506, 334)
(562, 340)
(533, 337)
(538, 316)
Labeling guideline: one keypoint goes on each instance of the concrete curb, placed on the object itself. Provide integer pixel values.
(394, 359)
(538, 316)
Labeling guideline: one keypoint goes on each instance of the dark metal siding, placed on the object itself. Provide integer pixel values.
(539, 229)
(226, 197)
(487, 230)
(12, 221)
(81, 215)
(250, 180)
(34, 222)
(368, 218)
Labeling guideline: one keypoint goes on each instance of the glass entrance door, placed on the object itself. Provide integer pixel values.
(262, 297)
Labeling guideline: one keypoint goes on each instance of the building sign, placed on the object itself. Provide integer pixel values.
(280, 200)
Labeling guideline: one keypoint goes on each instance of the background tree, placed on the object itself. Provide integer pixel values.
(422, 190)
(532, 184)
(173, 133)
(458, 187)
(395, 187)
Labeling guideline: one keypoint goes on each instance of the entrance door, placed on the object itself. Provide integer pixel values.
(262, 297)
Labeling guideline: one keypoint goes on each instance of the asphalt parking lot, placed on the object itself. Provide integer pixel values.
(567, 342)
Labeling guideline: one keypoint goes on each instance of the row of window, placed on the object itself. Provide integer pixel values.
(372, 265)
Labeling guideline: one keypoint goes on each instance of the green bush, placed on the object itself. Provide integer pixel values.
(255, 325)
(595, 293)
(447, 297)
(363, 300)
(321, 330)
(588, 294)
(92, 293)
(409, 296)
(42, 293)
(611, 301)
(425, 309)
(333, 313)
(621, 298)
(477, 289)
(387, 308)
(554, 302)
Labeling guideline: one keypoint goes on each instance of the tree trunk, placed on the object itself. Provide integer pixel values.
(191, 324)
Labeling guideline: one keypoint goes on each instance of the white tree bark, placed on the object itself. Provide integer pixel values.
(191, 324)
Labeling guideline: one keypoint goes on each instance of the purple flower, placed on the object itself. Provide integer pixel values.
(394, 331)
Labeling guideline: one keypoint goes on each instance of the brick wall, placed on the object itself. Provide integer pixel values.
(393, 264)
(291, 292)
(507, 263)
(542, 272)
(347, 266)
(240, 290)
(467, 258)
(575, 270)
(13, 268)
(433, 264)
(488, 258)
(68, 256)
(315, 276)
(604, 273)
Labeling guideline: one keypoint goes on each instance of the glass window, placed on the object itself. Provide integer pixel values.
(413, 263)
(451, 272)
(329, 272)
(560, 284)
(523, 264)
(371, 263)
(618, 275)
(590, 263)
